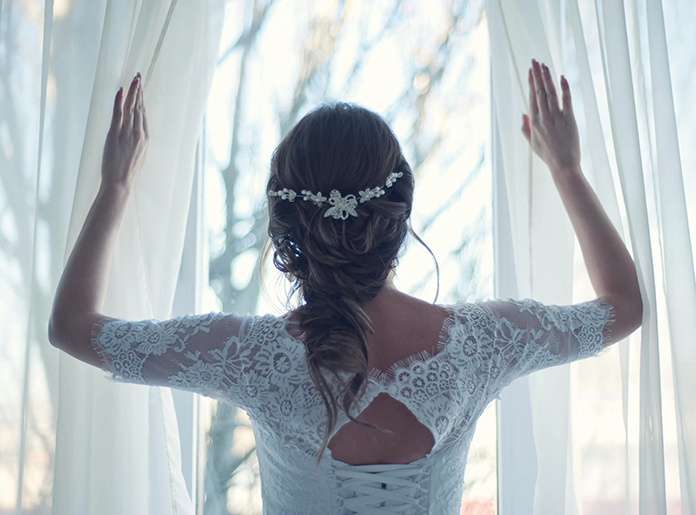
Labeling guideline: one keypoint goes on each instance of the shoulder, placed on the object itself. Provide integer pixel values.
(468, 317)
(484, 319)
(476, 311)
(268, 327)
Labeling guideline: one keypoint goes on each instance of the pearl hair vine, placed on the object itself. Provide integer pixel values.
(341, 207)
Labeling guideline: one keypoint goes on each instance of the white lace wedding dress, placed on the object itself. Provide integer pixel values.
(254, 362)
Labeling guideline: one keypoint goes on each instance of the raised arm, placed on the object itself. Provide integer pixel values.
(82, 287)
(553, 135)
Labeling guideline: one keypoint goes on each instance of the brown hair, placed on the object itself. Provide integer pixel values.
(338, 265)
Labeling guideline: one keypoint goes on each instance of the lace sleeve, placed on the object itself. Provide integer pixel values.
(508, 339)
(200, 353)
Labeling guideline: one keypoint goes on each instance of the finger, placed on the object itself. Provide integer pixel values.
(540, 91)
(138, 113)
(118, 111)
(146, 129)
(533, 105)
(550, 90)
(526, 129)
(567, 101)
(130, 102)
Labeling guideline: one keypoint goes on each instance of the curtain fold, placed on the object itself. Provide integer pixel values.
(627, 148)
(132, 431)
(677, 254)
(542, 271)
(78, 443)
(615, 57)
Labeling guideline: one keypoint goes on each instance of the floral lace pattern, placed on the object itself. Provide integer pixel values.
(255, 363)
(125, 347)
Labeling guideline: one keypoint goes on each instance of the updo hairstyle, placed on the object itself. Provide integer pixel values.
(337, 265)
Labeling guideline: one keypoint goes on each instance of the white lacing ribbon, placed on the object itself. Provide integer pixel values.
(385, 489)
(341, 207)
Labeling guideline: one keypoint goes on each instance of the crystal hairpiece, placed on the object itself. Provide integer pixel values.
(341, 207)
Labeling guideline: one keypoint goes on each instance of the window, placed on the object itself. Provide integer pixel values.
(425, 69)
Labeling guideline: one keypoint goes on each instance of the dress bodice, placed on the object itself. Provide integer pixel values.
(254, 362)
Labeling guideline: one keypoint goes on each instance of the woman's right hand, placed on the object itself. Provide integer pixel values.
(550, 130)
(553, 135)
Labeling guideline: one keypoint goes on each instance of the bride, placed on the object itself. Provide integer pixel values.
(364, 399)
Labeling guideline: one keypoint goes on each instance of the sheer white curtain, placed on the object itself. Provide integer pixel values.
(70, 441)
(601, 436)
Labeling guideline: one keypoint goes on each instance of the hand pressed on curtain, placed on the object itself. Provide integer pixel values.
(128, 138)
(82, 287)
(553, 135)
(550, 130)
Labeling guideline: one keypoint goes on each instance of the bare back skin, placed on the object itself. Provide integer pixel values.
(403, 326)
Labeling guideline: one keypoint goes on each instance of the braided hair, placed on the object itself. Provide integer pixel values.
(335, 265)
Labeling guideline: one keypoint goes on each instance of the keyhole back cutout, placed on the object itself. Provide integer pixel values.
(408, 441)
(403, 328)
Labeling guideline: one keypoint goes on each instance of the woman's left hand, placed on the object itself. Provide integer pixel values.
(128, 138)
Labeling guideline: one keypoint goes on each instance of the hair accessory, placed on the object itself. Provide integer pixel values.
(341, 207)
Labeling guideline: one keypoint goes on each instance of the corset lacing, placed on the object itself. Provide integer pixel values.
(383, 489)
